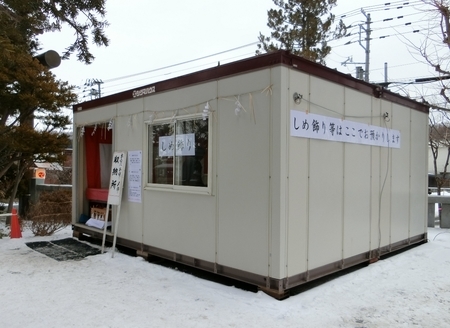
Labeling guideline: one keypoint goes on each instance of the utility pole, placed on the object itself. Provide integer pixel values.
(367, 47)
(94, 93)
(359, 71)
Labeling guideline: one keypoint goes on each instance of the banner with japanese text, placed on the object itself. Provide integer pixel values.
(313, 126)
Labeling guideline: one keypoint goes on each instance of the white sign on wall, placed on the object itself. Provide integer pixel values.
(134, 176)
(184, 145)
(166, 145)
(313, 126)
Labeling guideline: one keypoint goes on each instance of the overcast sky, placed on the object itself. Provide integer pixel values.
(148, 35)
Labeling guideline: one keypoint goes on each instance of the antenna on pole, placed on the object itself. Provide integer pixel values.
(385, 72)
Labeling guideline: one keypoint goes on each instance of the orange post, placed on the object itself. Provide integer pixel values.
(15, 226)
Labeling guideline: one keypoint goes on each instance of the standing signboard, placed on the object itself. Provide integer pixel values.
(115, 192)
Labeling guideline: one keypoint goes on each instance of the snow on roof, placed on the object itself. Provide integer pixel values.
(49, 166)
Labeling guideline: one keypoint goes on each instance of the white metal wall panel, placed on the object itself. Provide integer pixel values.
(375, 183)
(375, 186)
(419, 179)
(180, 222)
(185, 100)
(357, 180)
(326, 169)
(298, 206)
(326, 98)
(381, 181)
(401, 165)
(298, 183)
(243, 173)
(177, 221)
(326, 183)
(356, 200)
(278, 217)
(130, 132)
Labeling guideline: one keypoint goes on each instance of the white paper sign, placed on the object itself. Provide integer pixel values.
(166, 146)
(184, 145)
(307, 125)
(117, 175)
(134, 176)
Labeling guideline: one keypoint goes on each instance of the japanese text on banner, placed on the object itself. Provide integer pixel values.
(315, 126)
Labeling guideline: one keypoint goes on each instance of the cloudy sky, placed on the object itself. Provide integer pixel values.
(153, 40)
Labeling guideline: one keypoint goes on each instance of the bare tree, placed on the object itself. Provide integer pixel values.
(434, 51)
(439, 140)
(435, 47)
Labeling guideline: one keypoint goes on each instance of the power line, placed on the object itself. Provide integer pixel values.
(368, 30)
(385, 6)
(110, 89)
(399, 5)
(182, 63)
(393, 5)
(120, 86)
(383, 21)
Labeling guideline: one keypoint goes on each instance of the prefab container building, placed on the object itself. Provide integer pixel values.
(272, 170)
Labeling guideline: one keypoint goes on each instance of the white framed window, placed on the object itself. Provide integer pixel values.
(178, 153)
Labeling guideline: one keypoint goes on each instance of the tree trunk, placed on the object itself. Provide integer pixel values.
(20, 172)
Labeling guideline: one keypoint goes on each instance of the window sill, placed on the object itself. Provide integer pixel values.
(180, 189)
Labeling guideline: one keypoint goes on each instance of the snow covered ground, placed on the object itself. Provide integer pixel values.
(408, 289)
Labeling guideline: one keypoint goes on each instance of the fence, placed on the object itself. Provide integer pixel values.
(36, 188)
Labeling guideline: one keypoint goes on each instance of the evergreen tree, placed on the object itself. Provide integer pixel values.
(29, 91)
(301, 27)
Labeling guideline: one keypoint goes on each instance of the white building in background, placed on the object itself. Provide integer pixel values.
(441, 159)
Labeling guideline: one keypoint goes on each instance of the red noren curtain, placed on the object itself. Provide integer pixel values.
(92, 142)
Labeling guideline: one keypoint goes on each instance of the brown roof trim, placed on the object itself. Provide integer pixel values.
(348, 81)
(250, 64)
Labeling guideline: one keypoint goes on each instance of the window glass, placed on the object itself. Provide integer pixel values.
(179, 152)
(161, 153)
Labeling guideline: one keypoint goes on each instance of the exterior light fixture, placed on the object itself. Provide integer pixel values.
(50, 59)
(297, 98)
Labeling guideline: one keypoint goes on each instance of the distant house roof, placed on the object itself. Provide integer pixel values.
(49, 166)
(278, 58)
